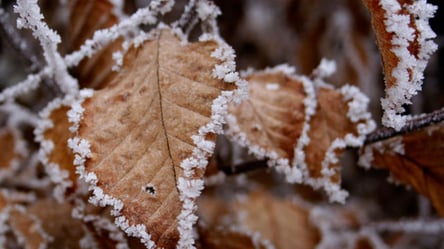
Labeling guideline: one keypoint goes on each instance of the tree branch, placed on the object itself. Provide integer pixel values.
(416, 123)
(18, 43)
(244, 167)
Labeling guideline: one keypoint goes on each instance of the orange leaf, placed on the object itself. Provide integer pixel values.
(53, 132)
(415, 159)
(404, 39)
(146, 155)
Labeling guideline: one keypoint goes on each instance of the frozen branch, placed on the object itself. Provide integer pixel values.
(411, 125)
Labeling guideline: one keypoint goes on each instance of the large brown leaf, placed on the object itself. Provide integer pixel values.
(301, 130)
(135, 151)
(404, 39)
(415, 159)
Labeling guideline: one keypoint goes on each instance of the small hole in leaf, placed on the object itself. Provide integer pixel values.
(150, 189)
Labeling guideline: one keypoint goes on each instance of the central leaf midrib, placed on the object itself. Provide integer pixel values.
(161, 106)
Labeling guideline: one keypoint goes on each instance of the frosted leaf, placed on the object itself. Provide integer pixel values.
(404, 39)
(175, 114)
(425, 173)
(52, 133)
(302, 135)
(266, 227)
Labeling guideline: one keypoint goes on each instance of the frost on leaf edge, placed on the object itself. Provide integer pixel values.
(57, 175)
(297, 172)
(189, 188)
(399, 26)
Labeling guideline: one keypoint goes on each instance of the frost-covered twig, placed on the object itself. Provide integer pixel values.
(31, 18)
(411, 226)
(101, 38)
(18, 43)
(413, 124)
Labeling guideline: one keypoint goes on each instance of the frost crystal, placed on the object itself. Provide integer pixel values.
(31, 18)
(408, 72)
(189, 188)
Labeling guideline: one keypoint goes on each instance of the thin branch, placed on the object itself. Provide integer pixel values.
(416, 123)
(22, 47)
(244, 167)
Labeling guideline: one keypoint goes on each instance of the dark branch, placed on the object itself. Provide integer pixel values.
(413, 124)
(18, 43)
(245, 167)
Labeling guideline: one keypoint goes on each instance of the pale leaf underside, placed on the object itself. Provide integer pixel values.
(160, 98)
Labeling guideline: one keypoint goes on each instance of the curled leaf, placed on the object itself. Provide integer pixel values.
(405, 41)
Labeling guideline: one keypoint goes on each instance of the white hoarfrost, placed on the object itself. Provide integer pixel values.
(57, 175)
(31, 18)
(81, 148)
(16, 116)
(189, 188)
(100, 223)
(297, 170)
(392, 146)
(409, 71)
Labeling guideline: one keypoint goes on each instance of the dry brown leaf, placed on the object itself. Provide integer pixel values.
(224, 238)
(404, 39)
(57, 221)
(280, 122)
(415, 159)
(53, 133)
(87, 17)
(161, 97)
(330, 122)
(278, 220)
(272, 119)
(27, 229)
(7, 143)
